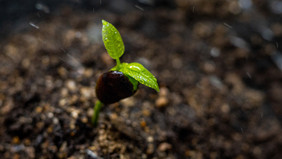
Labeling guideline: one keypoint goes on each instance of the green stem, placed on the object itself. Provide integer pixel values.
(118, 63)
(95, 116)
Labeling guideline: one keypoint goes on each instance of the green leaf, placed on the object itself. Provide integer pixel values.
(112, 40)
(139, 73)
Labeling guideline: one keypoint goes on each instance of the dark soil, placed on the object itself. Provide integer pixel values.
(218, 65)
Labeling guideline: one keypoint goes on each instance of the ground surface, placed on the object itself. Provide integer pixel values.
(218, 66)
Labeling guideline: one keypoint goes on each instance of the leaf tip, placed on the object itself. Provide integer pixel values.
(104, 22)
(157, 88)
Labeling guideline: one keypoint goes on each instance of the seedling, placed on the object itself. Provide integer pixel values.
(122, 80)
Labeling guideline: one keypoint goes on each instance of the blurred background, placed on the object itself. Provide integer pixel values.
(218, 65)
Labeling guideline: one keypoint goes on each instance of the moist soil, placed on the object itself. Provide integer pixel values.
(218, 66)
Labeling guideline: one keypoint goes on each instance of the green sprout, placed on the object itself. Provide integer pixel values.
(123, 79)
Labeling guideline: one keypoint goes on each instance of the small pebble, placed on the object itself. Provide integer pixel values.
(62, 102)
(164, 146)
(38, 109)
(62, 72)
(72, 124)
(71, 85)
(74, 114)
(64, 92)
(40, 125)
(143, 124)
(55, 120)
(50, 129)
(16, 156)
(90, 112)
(161, 102)
(88, 72)
(225, 108)
(128, 102)
(84, 119)
(30, 152)
(208, 67)
(16, 140)
(7, 107)
(150, 149)
(150, 139)
(50, 115)
(146, 112)
(73, 99)
(86, 92)
(163, 91)
(113, 116)
(92, 154)
(72, 133)
(27, 142)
